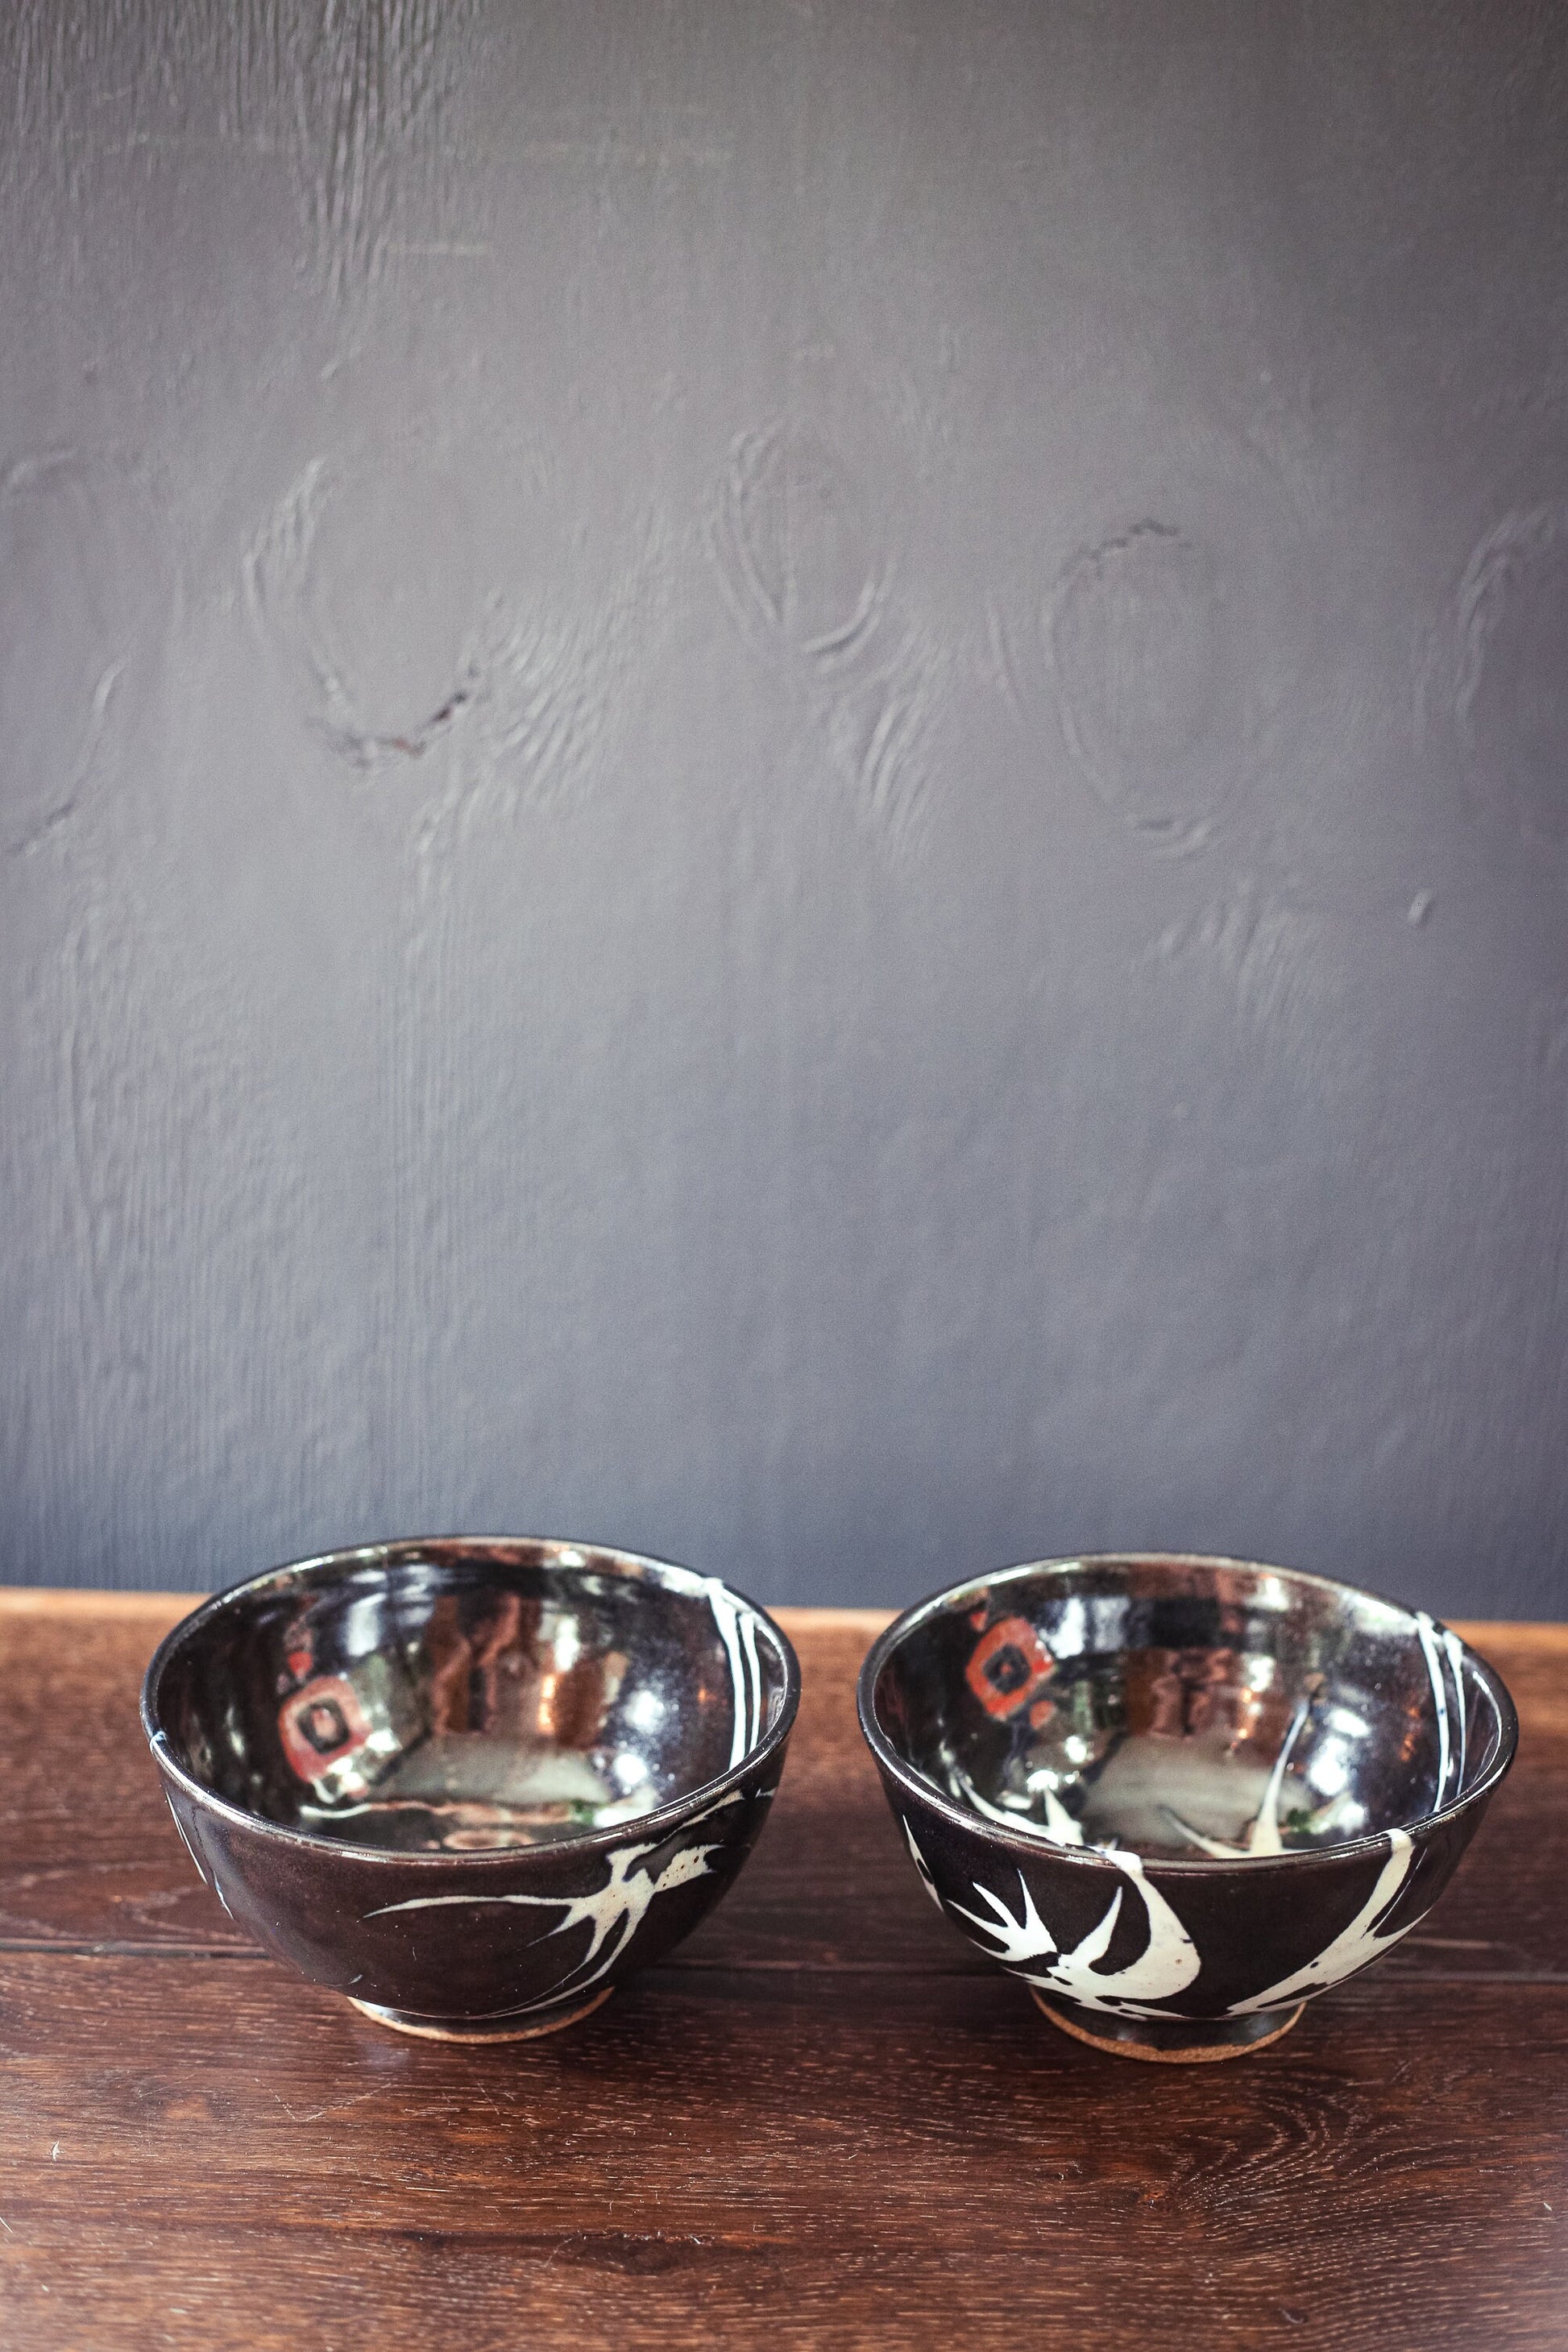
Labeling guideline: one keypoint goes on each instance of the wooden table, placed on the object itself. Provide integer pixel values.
(824, 2122)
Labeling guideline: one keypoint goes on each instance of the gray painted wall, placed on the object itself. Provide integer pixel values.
(787, 781)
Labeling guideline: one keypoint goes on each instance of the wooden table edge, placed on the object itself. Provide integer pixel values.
(89, 1600)
(1544, 1634)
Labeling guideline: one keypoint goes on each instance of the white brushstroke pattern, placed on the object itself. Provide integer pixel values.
(1058, 1828)
(739, 1638)
(214, 1881)
(1167, 1964)
(1354, 1946)
(926, 1881)
(1263, 1837)
(1456, 1653)
(1427, 1629)
(753, 1667)
(615, 1913)
(185, 1840)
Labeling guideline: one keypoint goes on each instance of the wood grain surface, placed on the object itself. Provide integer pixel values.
(824, 2122)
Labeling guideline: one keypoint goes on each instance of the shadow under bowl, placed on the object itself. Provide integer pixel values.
(471, 1782)
(1181, 1796)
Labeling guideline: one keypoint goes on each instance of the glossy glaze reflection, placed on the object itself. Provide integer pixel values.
(1179, 1711)
(1184, 1792)
(445, 1702)
(469, 1782)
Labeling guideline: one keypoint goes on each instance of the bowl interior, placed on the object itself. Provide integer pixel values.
(1179, 1708)
(465, 1697)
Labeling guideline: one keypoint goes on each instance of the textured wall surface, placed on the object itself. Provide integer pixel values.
(785, 781)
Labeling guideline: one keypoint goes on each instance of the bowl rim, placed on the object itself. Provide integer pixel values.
(1017, 1842)
(405, 1550)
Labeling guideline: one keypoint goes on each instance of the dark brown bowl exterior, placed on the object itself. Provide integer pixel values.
(487, 1944)
(1152, 1955)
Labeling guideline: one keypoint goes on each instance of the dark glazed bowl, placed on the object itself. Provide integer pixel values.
(1180, 1796)
(471, 1783)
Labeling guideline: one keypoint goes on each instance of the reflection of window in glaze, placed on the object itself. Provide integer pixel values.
(321, 1725)
(1177, 1694)
(1007, 1666)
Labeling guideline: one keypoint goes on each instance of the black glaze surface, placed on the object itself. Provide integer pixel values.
(471, 1780)
(1165, 1788)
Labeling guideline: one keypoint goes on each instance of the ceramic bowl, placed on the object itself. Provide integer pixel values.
(473, 1783)
(1179, 1796)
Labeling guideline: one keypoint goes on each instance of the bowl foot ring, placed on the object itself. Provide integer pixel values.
(474, 2028)
(1179, 2043)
